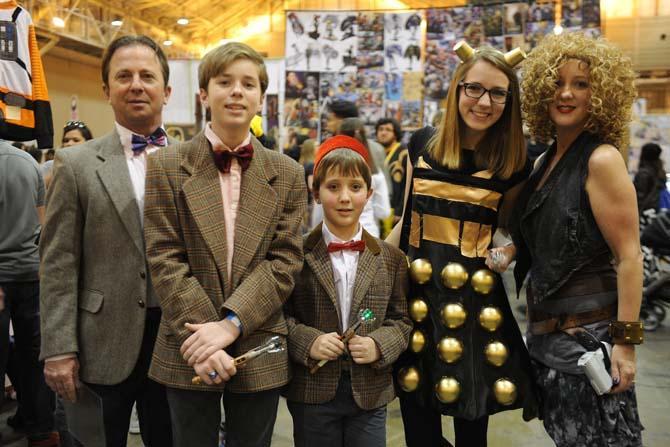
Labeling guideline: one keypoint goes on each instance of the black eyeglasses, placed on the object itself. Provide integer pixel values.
(75, 124)
(476, 91)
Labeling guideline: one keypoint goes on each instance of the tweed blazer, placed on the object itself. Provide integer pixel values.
(380, 285)
(94, 283)
(186, 250)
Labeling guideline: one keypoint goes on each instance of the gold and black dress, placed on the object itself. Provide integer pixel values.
(466, 356)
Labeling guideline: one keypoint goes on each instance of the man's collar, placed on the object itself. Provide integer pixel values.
(126, 136)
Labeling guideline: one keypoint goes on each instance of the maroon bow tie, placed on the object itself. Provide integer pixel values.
(223, 159)
(351, 245)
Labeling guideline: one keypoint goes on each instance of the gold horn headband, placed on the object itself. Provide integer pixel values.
(512, 57)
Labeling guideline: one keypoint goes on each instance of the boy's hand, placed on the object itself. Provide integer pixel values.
(363, 350)
(206, 339)
(327, 347)
(220, 363)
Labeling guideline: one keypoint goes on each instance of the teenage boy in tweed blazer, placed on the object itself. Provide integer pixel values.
(346, 270)
(222, 219)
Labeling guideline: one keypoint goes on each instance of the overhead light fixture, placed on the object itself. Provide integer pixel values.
(117, 22)
(182, 21)
(58, 22)
(167, 42)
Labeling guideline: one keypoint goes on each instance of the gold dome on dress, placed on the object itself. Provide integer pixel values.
(420, 270)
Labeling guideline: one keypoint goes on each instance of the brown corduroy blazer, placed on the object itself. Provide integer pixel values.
(186, 251)
(381, 285)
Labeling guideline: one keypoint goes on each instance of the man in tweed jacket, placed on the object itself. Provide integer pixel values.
(222, 220)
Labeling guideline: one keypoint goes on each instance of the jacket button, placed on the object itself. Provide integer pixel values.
(143, 275)
(141, 303)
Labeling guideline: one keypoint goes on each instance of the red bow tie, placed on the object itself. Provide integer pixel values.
(223, 159)
(351, 245)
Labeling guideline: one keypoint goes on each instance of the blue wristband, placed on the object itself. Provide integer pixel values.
(233, 318)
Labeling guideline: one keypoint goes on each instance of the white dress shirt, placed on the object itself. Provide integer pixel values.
(345, 264)
(137, 165)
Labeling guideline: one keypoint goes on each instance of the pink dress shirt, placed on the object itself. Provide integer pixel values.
(230, 193)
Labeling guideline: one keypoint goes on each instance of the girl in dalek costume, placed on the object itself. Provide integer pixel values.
(466, 357)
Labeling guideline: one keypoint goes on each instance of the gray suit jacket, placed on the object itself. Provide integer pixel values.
(94, 280)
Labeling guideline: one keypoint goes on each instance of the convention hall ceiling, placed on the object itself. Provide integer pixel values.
(85, 27)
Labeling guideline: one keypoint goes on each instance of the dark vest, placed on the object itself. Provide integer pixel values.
(554, 229)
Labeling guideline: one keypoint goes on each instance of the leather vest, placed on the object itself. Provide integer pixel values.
(554, 229)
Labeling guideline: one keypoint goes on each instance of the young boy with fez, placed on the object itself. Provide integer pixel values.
(346, 270)
(222, 220)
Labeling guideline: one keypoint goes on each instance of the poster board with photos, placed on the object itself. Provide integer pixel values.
(399, 64)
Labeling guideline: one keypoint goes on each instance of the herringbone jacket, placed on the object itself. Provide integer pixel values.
(380, 285)
(186, 251)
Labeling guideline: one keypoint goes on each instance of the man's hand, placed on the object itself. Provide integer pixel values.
(327, 347)
(62, 376)
(219, 362)
(206, 339)
(2, 299)
(363, 350)
(623, 367)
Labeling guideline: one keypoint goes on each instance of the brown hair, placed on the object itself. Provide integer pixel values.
(345, 162)
(355, 128)
(216, 61)
(307, 149)
(502, 150)
(134, 40)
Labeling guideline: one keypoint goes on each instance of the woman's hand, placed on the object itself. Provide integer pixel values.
(623, 367)
(499, 258)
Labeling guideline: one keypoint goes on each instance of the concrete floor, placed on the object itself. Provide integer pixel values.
(508, 428)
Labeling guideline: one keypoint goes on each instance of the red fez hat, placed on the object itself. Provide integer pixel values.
(341, 142)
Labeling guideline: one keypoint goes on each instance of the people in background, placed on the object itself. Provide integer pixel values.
(22, 211)
(389, 135)
(650, 179)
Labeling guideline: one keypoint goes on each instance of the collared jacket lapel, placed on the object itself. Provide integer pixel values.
(202, 192)
(368, 267)
(257, 209)
(318, 259)
(114, 175)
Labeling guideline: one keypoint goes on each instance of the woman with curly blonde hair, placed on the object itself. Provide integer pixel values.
(575, 230)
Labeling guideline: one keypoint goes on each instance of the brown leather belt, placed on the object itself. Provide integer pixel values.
(545, 323)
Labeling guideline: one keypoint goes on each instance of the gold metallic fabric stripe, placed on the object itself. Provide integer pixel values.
(483, 174)
(483, 240)
(441, 229)
(457, 193)
(415, 230)
(469, 239)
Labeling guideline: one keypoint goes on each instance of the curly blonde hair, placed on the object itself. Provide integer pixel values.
(610, 76)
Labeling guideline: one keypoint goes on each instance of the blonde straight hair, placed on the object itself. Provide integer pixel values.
(503, 148)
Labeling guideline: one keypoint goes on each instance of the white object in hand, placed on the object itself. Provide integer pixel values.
(593, 364)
